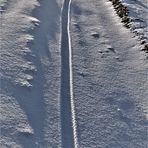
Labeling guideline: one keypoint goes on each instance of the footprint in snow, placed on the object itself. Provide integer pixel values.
(81, 74)
(95, 35)
(111, 49)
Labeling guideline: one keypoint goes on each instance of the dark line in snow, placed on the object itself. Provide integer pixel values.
(68, 122)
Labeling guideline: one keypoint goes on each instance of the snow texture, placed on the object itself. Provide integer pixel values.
(109, 79)
(30, 74)
(138, 10)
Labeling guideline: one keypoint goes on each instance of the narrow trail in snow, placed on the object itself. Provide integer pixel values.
(68, 124)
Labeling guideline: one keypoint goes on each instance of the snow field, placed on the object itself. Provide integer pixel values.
(109, 88)
(107, 77)
(30, 74)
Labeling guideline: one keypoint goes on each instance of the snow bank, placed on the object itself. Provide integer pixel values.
(138, 12)
(30, 73)
(134, 16)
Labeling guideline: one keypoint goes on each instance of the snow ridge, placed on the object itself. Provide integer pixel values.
(68, 122)
(71, 81)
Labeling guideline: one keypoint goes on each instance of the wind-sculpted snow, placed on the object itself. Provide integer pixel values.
(71, 78)
(133, 14)
(30, 74)
(138, 10)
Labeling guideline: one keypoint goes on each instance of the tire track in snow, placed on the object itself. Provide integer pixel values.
(68, 122)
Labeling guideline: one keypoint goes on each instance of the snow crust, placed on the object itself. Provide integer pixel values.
(30, 74)
(110, 79)
(138, 10)
(110, 74)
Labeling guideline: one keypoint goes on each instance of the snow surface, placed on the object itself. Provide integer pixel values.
(138, 12)
(30, 74)
(109, 79)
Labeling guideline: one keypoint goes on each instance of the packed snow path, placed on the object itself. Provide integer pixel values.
(68, 124)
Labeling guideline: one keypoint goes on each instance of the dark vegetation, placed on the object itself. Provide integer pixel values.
(123, 12)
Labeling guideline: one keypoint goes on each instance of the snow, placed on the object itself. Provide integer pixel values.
(111, 95)
(138, 10)
(108, 75)
(30, 74)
